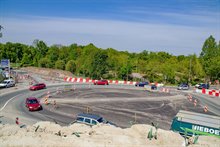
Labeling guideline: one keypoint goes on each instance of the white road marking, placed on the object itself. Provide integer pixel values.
(8, 102)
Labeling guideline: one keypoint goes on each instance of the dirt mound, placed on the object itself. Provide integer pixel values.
(50, 134)
(53, 73)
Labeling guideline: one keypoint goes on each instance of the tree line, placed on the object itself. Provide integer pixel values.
(93, 62)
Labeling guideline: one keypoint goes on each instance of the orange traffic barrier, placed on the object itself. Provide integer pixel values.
(195, 102)
(205, 109)
(46, 101)
(17, 121)
(190, 96)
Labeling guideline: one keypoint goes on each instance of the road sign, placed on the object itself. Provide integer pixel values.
(5, 62)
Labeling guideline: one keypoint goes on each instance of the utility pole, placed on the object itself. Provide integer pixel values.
(127, 70)
(190, 64)
(1, 27)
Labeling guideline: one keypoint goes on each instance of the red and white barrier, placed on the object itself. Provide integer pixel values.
(212, 92)
(87, 80)
(167, 90)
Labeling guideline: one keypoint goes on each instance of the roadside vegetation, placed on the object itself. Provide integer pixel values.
(93, 62)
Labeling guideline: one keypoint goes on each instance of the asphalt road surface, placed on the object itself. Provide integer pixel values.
(123, 105)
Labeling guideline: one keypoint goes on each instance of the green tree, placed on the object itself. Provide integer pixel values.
(42, 47)
(71, 66)
(53, 54)
(124, 72)
(45, 62)
(26, 60)
(99, 64)
(209, 55)
(60, 64)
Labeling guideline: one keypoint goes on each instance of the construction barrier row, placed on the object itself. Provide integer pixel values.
(87, 80)
(166, 90)
(215, 93)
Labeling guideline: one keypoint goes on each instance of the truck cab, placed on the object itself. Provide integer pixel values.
(196, 124)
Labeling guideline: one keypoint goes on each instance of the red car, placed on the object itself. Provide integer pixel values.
(33, 104)
(101, 82)
(38, 86)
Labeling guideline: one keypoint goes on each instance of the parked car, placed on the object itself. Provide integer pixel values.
(201, 86)
(33, 104)
(7, 83)
(197, 85)
(91, 119)
(153, 87)
(141, 84)
(101, 82)
(38, 86)
(183, 86)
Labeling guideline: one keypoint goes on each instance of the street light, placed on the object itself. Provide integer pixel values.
(190, 63)
(1, 27)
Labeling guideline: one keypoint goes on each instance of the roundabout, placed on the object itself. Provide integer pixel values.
(123, 105)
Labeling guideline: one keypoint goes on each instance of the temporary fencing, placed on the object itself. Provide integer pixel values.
(166, 90)
(87, 80)
(212, 92)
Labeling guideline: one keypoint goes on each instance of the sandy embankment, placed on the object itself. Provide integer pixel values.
(50, 134)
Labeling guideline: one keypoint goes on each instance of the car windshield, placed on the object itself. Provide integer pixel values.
(33, 101)
(36, 85)
(100, 120)
(5, 82)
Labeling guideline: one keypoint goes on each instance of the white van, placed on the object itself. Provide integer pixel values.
(7, 83)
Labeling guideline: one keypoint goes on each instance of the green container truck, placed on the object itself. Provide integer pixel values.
(196, 124)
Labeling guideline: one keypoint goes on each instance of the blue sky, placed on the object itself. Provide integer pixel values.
(174, 26)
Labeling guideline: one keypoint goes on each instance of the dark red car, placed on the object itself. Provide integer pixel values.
(33, 104)
(38, 86)
(101, 82)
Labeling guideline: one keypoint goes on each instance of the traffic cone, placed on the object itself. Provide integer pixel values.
(205, 109)
(189, 96)
(195, 102)
(46, 101)
(17, 121)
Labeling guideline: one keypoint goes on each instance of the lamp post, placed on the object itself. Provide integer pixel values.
(1, 27)
(190, 64)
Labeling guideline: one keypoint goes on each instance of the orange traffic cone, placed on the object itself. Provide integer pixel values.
(17, 121)
(205, 109)
(46, 101)
(195, 102)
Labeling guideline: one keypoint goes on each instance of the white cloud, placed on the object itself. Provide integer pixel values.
(121, 35)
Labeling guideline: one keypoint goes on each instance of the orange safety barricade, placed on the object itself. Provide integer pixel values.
(17, 121)
(46, 101)
(205, 109)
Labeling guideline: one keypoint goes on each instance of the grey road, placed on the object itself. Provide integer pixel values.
(118, 103)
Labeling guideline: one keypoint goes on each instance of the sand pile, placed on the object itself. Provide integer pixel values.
(50, 134)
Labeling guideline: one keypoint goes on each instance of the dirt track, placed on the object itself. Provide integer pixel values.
(121, 106)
